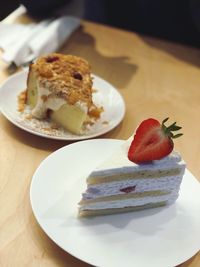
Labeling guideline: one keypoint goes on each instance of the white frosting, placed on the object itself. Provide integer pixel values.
(119, 163)
(54, 103)
(170, 198)
(83, 106)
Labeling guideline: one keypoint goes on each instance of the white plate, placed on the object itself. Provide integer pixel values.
(106, 96)
(154, 238)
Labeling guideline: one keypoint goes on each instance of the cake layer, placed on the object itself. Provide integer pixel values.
(32, 89)
(129, 202)
(130, 174)
(169, 183)
(91, 212)
(70, 117)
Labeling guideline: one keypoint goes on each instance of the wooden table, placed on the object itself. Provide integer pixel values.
(156, 78)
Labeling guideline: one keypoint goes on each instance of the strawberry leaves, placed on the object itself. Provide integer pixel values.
(168, 130)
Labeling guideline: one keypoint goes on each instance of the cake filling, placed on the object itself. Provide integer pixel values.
(114, 204)
(170, 183)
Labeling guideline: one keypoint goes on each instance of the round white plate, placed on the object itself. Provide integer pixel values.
(154, 238)
(106, 96)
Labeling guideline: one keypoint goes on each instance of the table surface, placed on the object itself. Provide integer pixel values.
(156, 79)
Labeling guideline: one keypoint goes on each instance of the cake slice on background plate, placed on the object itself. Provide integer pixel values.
(143, 173)
(59, 87)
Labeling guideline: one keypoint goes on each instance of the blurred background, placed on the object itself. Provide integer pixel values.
(174, 20)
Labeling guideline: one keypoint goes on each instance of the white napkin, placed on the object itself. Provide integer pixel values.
(22, 43)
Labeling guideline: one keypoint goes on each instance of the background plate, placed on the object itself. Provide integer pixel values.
(158, 237)
(106, 96)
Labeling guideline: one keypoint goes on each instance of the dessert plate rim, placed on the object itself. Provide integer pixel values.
(112, 116)
(115, 240)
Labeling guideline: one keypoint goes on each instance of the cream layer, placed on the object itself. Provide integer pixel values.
(169, 183)
(169, 198)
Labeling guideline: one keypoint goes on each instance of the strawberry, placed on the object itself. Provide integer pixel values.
(152, 141)
(128, 189)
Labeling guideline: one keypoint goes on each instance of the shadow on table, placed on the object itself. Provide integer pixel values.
(185, 53)
(121, 70)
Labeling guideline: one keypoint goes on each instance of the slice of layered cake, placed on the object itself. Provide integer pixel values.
(59, 87)
(143, 173)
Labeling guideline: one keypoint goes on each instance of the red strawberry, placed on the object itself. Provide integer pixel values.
(128, 189)
(152, 141)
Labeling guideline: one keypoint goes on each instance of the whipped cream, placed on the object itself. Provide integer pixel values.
(119, 162)
(83, 106)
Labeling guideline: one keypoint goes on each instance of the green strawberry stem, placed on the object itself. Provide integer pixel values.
(172, 128)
